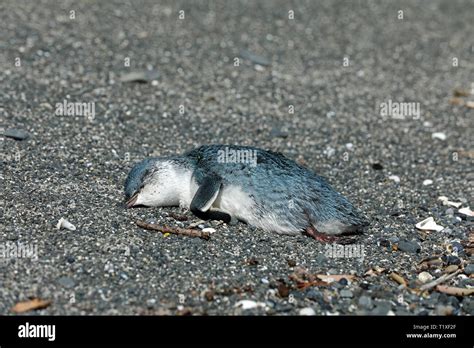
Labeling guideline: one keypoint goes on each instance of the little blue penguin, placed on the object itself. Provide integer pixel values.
(262, 188)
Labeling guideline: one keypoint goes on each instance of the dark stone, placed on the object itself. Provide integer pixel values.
(451, 260)
(384, 243)
(278, 133)
(343, 281)
(409, 247)
(377, 166)
(70, 259)
(458, 248)
(314, 295)
(17, 134)
(469, 269)
(254, 58)
(453, 301)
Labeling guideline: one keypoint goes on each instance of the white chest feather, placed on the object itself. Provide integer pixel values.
(236, 202)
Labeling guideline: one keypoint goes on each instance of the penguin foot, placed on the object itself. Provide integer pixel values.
(326, 238)
(320, 237)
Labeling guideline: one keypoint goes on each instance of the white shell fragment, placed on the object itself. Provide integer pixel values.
(429, 225)
(427, 182)
(446, 201)
(209, 230)
(63, 223)
(454, 204)
(307, 311)
(438, 135)
(424, 277)
(466, 211)
(394, 178)
(249, 304)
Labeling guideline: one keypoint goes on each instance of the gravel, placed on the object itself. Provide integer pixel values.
(290, 92)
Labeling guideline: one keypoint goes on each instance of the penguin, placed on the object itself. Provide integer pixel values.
(262, 188)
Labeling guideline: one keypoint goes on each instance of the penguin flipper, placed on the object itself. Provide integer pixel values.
(205, 196)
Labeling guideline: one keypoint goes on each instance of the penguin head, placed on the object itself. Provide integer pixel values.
(152, 182)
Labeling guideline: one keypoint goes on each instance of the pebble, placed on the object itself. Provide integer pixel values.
(377, 166)
(209, 230)
(264, 281)
(381, 309)
(457, 248)
(425, 277)
(444, 310)
(150, 302)
(439, 136)
(366, 302)
(451, 260)
(329, 151)
(449, 212)
(448, 231)
(427, 182)
(278, 133)
(409, 247)
(17, 134)
(67, 282)
(346, 293)
(314, 295)
(451, 269)
(394, 178)
(469, 269)
(254, 58)
(140, 76)
(343, 281)
(307, 311)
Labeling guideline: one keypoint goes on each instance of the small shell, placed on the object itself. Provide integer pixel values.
(446, 201)
(438, 135)
(429, 225)
(209, 230)
(249, 304)
(66, 224)
(307, 311)
(394, 178)
(424, 277)
(454, 204)
(466, 211)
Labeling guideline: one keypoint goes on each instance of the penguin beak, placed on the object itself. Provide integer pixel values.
(131, 202)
